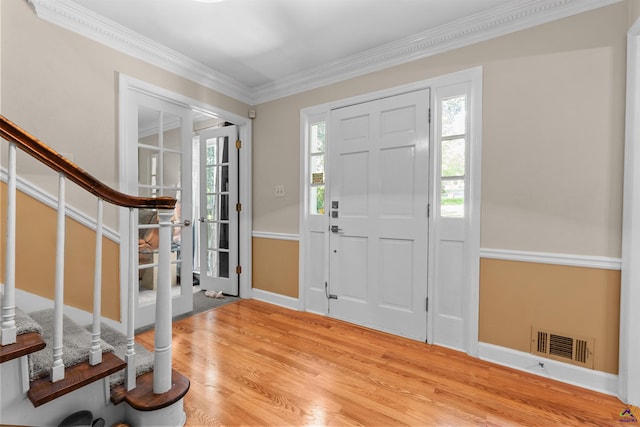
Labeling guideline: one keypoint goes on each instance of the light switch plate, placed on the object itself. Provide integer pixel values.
(279, 190)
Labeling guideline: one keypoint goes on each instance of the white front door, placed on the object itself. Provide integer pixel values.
(218, 214)
(378, 214)
(160, 151)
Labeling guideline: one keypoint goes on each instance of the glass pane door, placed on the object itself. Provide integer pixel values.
(218, 215)
(163, 153)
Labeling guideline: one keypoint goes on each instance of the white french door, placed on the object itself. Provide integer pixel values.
(159, 149)
(218, 215)
(378, 213)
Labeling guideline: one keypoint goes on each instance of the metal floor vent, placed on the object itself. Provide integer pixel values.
(563, 347)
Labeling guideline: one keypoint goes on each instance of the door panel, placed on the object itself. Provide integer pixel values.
(161, 146)
(379, 160)
(218, 215)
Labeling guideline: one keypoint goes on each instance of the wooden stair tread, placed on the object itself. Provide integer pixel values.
(143, 398)
(43, 390)
(25, 344)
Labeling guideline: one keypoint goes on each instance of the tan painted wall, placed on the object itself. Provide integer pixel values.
(275, 266)
(35, 257)
(62, 88)
(514, 296)
(553, 132)
(552, 135)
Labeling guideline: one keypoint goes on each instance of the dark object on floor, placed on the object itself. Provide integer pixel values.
(78, 419)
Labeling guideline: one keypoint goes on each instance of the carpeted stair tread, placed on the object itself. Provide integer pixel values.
(79, 375)
(28, 338)
(25, 344)
(25, 323)
(144, 358)
(76, 344)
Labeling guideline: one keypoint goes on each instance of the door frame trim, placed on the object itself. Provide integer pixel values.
(629, 347)
(128, 84)
(471, 302)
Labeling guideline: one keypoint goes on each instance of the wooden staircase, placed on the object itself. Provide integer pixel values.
(152, 398)
(25, 344)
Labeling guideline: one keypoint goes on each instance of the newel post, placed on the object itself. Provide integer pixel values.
(162, 339)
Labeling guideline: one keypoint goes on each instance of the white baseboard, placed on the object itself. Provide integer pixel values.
(586, 378)
(272, 298)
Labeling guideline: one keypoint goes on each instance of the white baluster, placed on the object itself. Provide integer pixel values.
(8, 306)
(95, 355)
(162, 337)
(57, 370)
(130, 356)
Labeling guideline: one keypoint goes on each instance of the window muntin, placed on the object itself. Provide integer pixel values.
(453, 139)
(317, 139)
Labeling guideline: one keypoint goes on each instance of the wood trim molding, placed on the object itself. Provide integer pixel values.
(512, 17)
(275, 236)
(51, 158)
(602, 382)
(628, 368)
(604, 263)
(277, 299)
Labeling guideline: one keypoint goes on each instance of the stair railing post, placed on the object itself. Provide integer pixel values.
(130, 356)
(95, 355)
(162, 337)
(8, 306)
(57, 370)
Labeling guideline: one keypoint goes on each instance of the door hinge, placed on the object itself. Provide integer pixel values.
(238, 144)
(428, 210)
(427, 304)
(238, 269)
(429, 115)
(238, 207)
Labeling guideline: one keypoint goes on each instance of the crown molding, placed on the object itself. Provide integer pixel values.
(514, 16)
(78, 19)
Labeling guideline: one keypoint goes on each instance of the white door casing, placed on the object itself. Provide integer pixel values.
(127, 87)
(218, 216)
(314, 240)
(160, 149)
(378, 201)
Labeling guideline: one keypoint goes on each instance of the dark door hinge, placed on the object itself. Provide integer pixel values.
(238, 269)
(427, 304)
(238, 207)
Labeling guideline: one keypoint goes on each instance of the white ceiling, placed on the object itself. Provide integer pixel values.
(261, 41)
(259, 50)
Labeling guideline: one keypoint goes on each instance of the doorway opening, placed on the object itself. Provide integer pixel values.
(161, 160)
(390, 218)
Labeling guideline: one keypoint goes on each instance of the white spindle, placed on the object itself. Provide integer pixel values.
(95, 355)
(130, 356)
(57, 370)
(8, 306)
(162, 337)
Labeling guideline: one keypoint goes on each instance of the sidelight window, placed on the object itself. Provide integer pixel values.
(317, 138)
(453, 142)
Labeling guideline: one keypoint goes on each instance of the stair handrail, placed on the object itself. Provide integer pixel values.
(48, 156)
(20, 138)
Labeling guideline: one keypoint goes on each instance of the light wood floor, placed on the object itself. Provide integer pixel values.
(252, 363)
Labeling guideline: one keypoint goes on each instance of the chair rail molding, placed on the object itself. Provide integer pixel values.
(49, 200)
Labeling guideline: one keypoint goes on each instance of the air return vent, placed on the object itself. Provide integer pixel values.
(563, 347)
